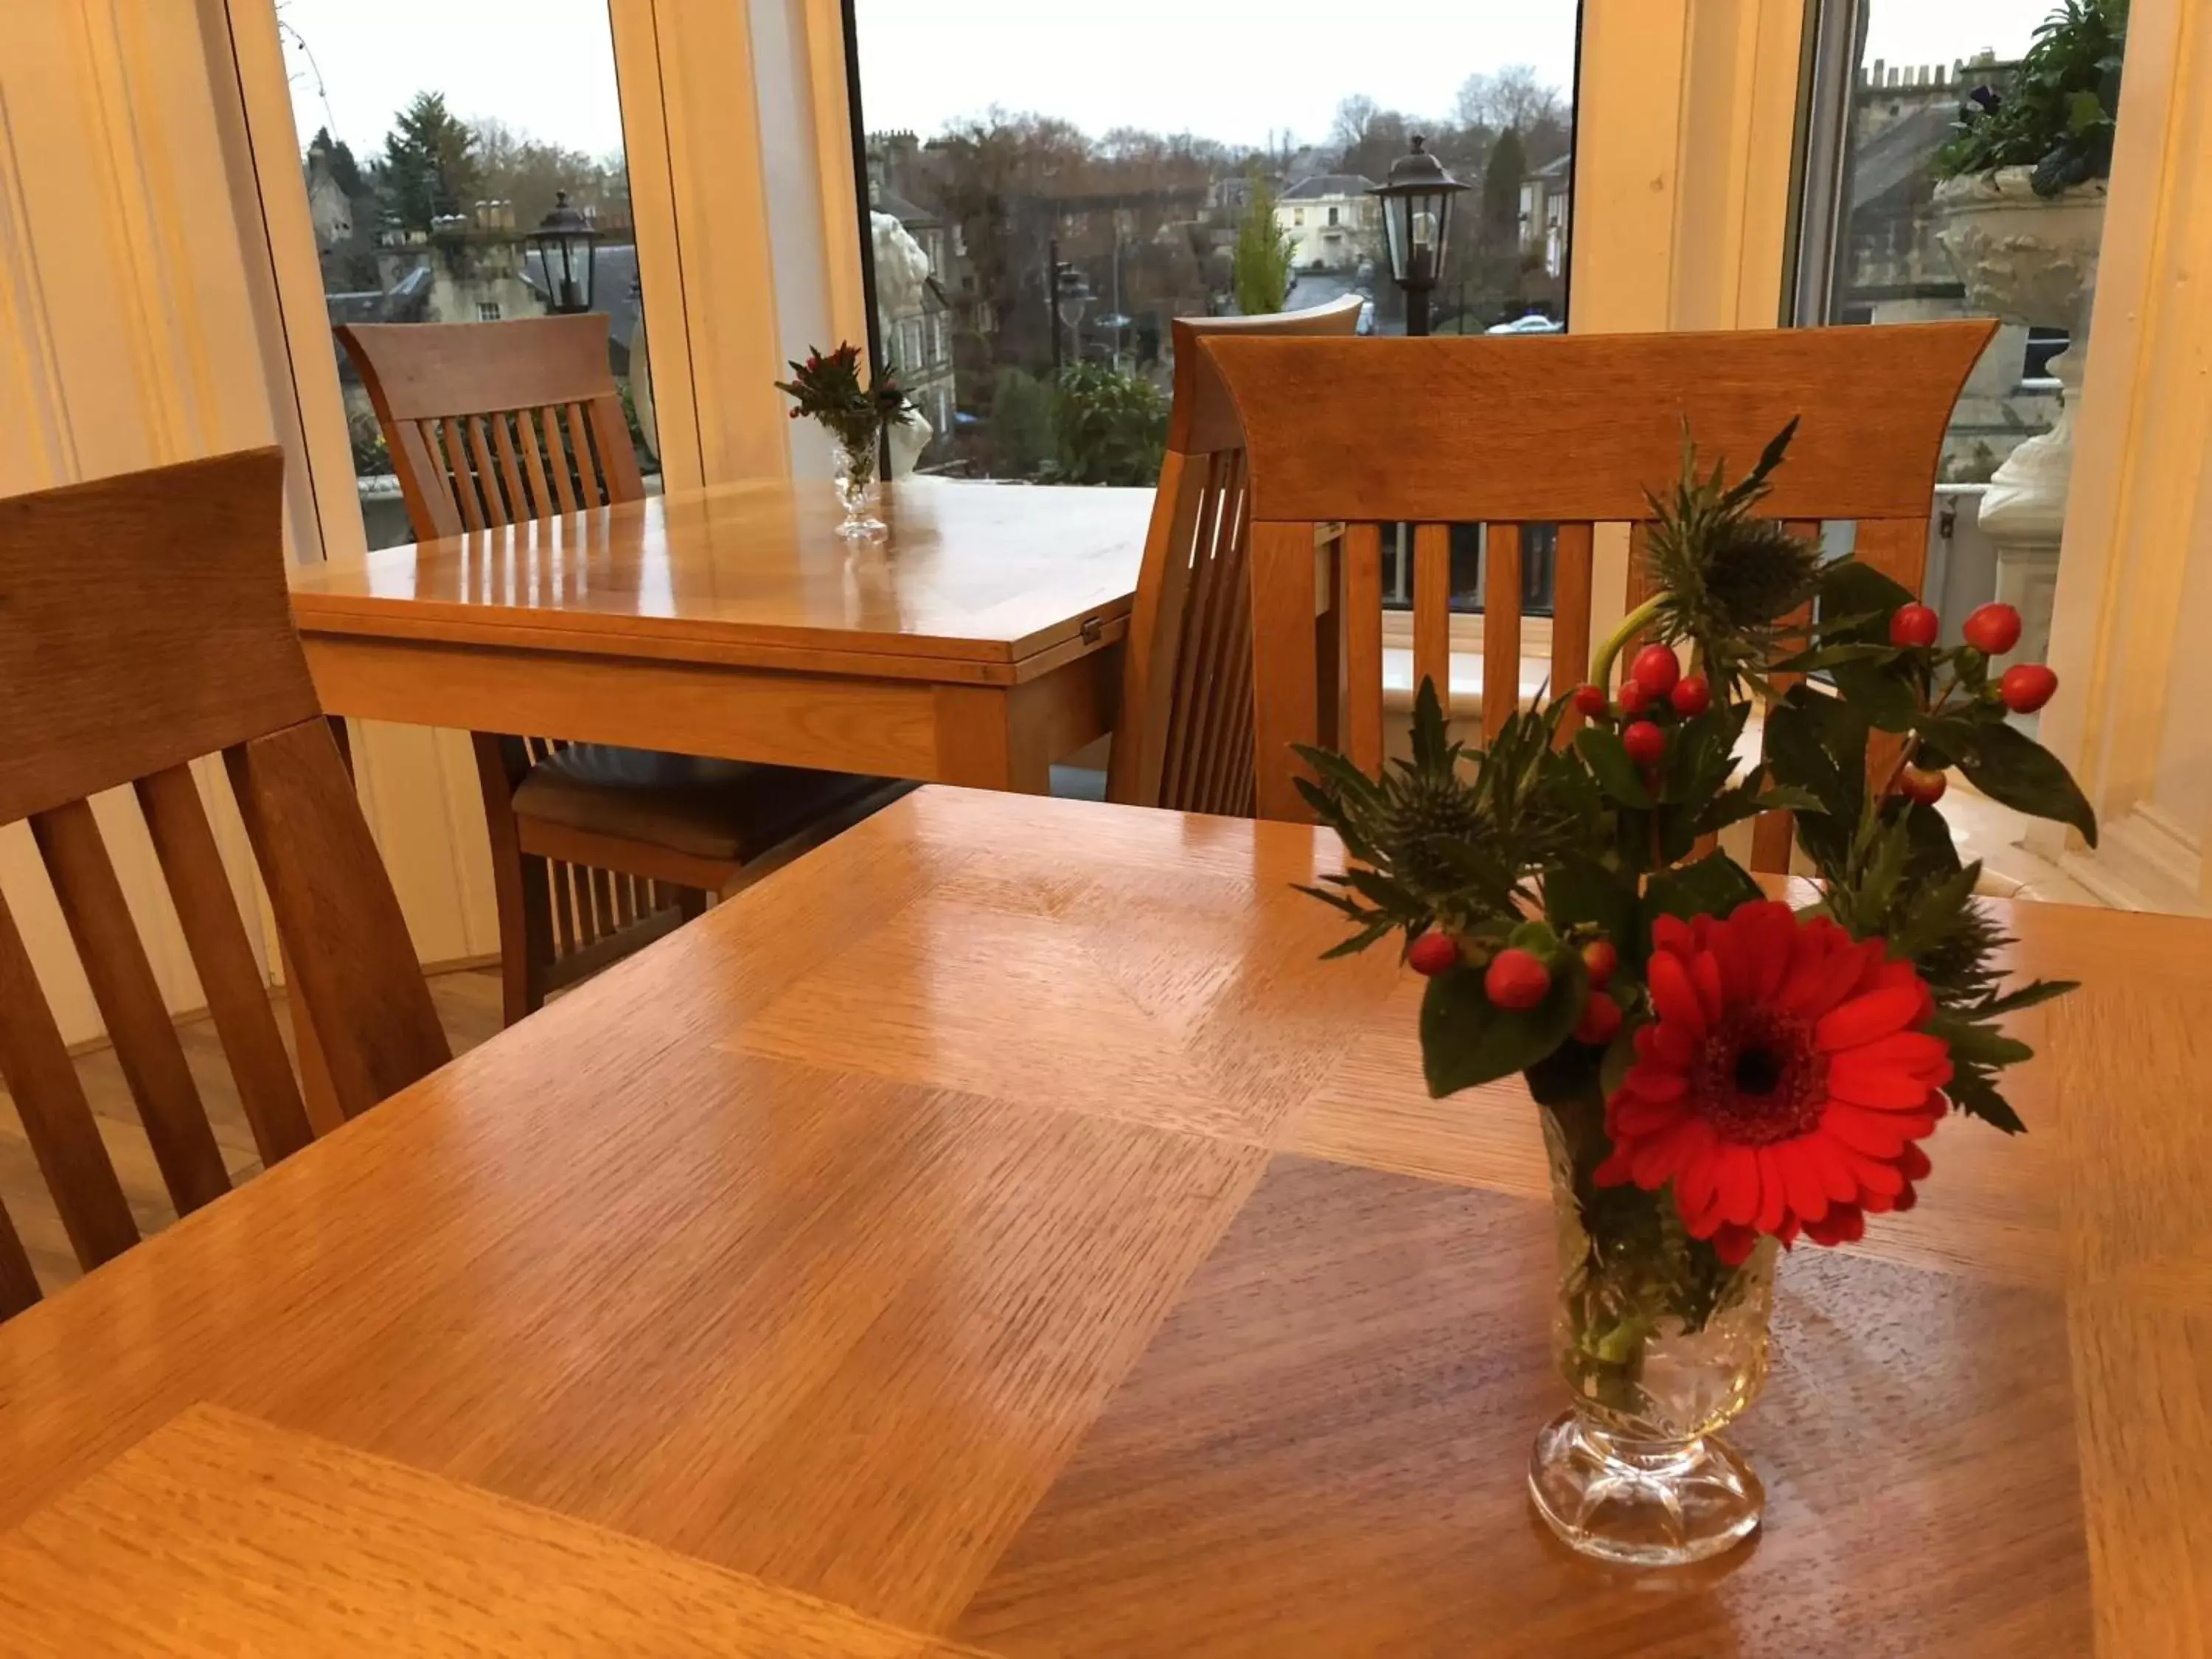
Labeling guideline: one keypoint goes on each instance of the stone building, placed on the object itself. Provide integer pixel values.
(1332, 220)
(1892, 270)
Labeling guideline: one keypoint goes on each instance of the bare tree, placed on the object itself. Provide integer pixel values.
(1355, 118)
(1513, 98)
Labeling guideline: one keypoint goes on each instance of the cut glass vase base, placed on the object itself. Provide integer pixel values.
(1638, 1503)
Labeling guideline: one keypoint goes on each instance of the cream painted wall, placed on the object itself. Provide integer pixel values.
(1686, 114)
(130, 267)
(123, 345)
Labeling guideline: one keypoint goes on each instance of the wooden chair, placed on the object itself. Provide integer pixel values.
(1568, 431)
(144, 624)
(596, 851)
(1184, 739)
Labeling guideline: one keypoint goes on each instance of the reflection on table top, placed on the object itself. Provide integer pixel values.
(1001, 1224)
(968, 570)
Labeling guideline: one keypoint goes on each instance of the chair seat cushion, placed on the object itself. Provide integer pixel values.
(710, 809)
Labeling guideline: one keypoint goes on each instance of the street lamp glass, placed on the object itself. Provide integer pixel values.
(565, 239)
(1416, 216)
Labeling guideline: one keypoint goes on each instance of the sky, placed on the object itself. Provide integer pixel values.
(545, 67)
(1238, 71)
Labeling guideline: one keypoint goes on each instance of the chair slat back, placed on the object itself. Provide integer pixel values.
(143, 622)
(498, 424)
(1185, 737)
(1568, 431)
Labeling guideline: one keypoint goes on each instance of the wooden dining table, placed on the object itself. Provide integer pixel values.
(997, 1233)
(975, 642)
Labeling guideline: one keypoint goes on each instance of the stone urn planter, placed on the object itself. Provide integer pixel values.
(2028, 258)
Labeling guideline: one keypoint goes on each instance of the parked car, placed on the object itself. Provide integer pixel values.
(1534, 322)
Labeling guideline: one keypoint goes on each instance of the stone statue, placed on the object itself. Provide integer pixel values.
(902, 270)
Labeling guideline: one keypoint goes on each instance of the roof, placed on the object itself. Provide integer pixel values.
(1559, 167)
(887, 201)
(1328, 184)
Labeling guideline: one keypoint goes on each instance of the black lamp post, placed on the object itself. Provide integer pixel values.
(1071, 299)
(565, 238)
(1417, 207)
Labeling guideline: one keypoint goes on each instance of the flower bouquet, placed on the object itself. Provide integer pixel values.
(1720, 1076)
(830, 389)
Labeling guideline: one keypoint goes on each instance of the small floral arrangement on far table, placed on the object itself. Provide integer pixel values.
(830, 390)
(1720, 1075)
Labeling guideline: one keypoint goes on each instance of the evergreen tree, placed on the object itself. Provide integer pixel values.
(1501, 194)
(1259, 264)
(429, 162)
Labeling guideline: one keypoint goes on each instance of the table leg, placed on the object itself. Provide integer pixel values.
(988, 737)
(1007, 737)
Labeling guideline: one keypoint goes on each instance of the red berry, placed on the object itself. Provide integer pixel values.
(1917, 783)
(1599, 961)
(1645, 743)
(2026, 686)
(1589, 701)
(1600, 1020)
(1633, 697)
(1432, 954)
(1913, 625)
(1993, 630)
(1692, 695)
(1516, 980)
(1656, 668)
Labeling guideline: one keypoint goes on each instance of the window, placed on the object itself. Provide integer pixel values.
(1883, 237)
(1083, 200)
(427, 173)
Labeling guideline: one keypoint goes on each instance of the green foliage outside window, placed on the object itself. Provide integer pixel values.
(1259, 262)
(2057, 114)
(1108, 427)
(1021, 423)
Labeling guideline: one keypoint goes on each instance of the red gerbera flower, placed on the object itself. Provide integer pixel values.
(1782, 1085)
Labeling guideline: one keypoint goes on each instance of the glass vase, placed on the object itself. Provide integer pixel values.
(1661, 1344)
(858, 490)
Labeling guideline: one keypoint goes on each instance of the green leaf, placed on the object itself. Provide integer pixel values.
(1881, 693)
(2015, 770)
(1566, 1076)
(1359, 941)
(1581, 890)
(1850, 589)
(1753, 485)
(1713, 886)
(1702, 754)
(1432, 738)
(1466, 1041)
(1932, 913)
(1976, 1093)
(1798, 754)
(1608, 758)
(1982, 1045)
(1934, 854)
(1828, 656)
(1619, 1057)
(2028, 995)
(2084, 110)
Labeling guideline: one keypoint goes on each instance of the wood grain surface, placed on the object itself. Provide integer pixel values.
(219, 1534)
(973, 573)
(998, 1227)
(977, 644)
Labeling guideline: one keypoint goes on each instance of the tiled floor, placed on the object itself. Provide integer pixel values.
(468, 1006)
